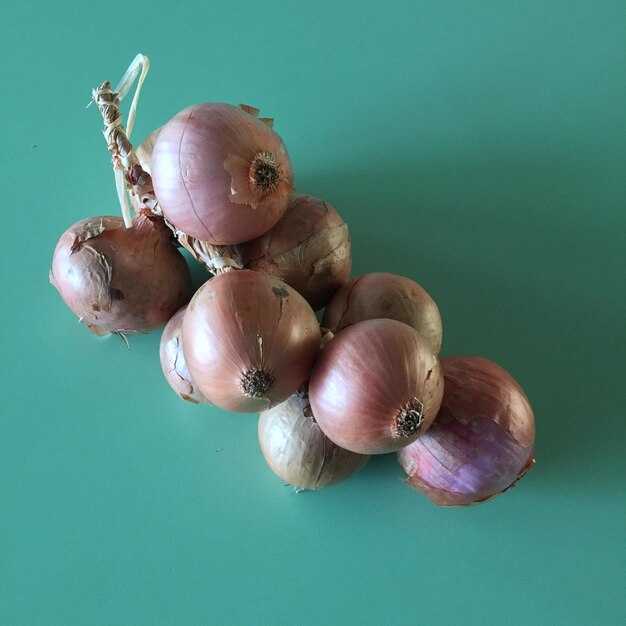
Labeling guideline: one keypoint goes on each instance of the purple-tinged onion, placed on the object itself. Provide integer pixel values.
(120, 279)
(173, 361)
(383, 295)
(297, 450)
(220, 174)
(309, 248)
(482, 440)
(376, 387)
(250, 340)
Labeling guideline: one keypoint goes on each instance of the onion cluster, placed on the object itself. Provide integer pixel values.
(217, 179)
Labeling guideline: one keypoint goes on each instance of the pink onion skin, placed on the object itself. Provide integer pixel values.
(119, 279)
(297, 450)
(173, 361)
(482, 440)
(309, 248)
(383, 295)
(244, 326)
(363, 380)
(201, 171)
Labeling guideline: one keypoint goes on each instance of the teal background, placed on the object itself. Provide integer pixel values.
(477, 147)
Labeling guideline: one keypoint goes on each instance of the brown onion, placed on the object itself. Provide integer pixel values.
(383, 295)
(173, 361)
(376, 387)
(297, 450)
(119, 279)
(309, 248)
(249, 340)
(482, 440)
(220, 174)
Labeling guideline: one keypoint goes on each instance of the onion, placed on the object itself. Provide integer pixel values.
(298, 451)
(482, 440)
(173, 361)
(249, 340)
(376, 387)
(382, 295)
(309, 248)
(220, 174)
(120, 279)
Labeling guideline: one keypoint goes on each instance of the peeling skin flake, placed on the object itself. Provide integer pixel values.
(240, 188)
(173, 361)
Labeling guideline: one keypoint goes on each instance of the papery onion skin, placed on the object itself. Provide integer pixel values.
(482, 440)
(220, 174)
(249, 340)
(173, 361)
(144, 155)
(368, 384)
(384, 295)
(309, 248)
(145, 149)
(297, 450)
(119, 279)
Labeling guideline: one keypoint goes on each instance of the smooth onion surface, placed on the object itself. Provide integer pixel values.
(376, 387)
(249, 340)
(383, 295)
(309, 248)
(220, 174)
(173, 361)
(119, 279)
(297, 450)
(482, 440)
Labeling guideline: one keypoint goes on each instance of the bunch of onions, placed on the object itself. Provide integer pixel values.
(482, 440)
(220, 174)
(249, 340)
(173, 361)
(383, 295)
(118, 279)
(309, 248)
(376, 387)
(297, 450)
(219, 179)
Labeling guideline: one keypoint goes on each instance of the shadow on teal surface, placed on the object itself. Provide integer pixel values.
(500, 293)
